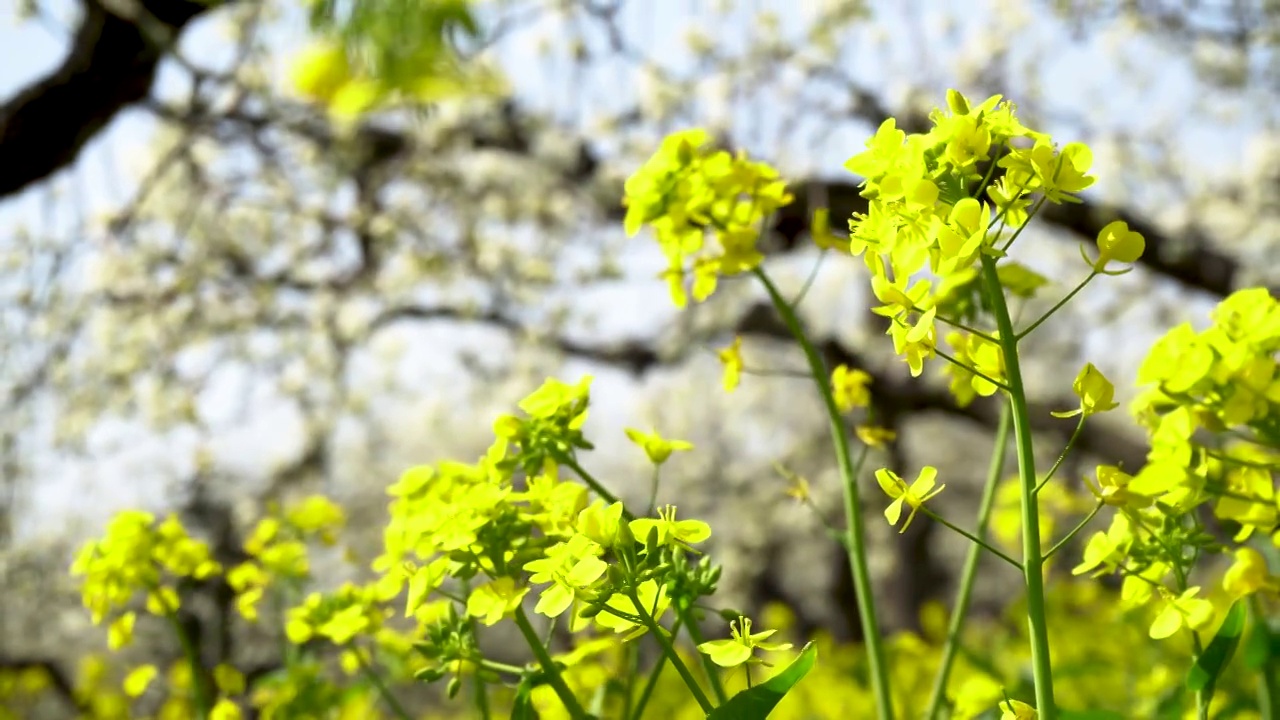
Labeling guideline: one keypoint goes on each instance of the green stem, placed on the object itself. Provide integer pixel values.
(971, 370)
(591, 482)
(499, 667)
(199, 687)
(979, 542)
(1032, 563)
(653, 490)
(808, 282)
(695, 635)
(1030, 215)
(1202, 698)
(961, 326)
(1074, 531)
(965, 594)
(478, 683)
(629, 685)
(554, 678)
(660, 635)
(383, 691)
(1058, 463)
(1056, 307)
(652, 683)
(1269, 680)
(856, 544)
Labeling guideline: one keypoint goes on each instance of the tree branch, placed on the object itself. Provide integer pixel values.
(110, 65)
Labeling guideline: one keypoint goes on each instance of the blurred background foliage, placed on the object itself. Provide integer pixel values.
(255, 250)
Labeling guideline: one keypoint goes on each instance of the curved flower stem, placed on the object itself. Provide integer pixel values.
(695, 635)
(1058, 463)
(652, 683)
(660, 635)
(654, 482)
(856, 542)
(976, 540)
(1074, 531)
(961, 326)
(568, 461)
(972, 370)
(1032, 562)
(808, 281)
(1058, 306)
(499, 667)
(1030, 214)
(554, 678)
(376, 680)
(965, 594)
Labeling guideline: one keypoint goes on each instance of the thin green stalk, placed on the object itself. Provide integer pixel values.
(970, 369)
(965, 593)
(592, 483)
(653, 489)
(1032, 562)
(856, 544)
(499, 667)
(695, 635)
(659, 634)
(1057, 307)
(1075, 435)
(629, 685)
(383, 691)
(554, 679)
(479, 687)
(1202, 698)
(199, 687)
(979, 542)
(652, 683)
(1074, 531)
(808, 282)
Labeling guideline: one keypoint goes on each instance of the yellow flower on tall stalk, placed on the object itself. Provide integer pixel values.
(914, 495)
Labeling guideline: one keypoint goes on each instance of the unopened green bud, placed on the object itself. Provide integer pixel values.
(429, 674)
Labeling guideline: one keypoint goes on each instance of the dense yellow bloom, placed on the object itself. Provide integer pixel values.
(570, 567)
(706, 208)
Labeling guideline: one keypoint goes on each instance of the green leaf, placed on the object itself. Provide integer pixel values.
(1260, 646)
(1090, 715)
(756, 703)
(1215, 657)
